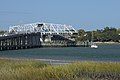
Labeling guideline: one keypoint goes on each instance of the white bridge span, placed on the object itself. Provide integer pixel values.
(44, 28)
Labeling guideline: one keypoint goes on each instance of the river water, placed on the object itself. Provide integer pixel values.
(105, 52)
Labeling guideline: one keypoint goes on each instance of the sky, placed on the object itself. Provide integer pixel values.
(81, 14)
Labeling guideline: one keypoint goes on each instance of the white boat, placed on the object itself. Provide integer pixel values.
(94, 46)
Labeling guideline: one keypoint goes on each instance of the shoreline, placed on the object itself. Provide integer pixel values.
(48, 61)
(106, 42)
(55, 62)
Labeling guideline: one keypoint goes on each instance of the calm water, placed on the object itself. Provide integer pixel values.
(103, 53)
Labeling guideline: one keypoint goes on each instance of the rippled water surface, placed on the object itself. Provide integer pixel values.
(103, 53)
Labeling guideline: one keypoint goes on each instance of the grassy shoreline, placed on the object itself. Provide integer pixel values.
(37, 70)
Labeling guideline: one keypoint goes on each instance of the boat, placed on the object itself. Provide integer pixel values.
(92, 43)
(94, 46)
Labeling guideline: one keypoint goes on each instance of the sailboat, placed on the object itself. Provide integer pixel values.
(92, 43)
(94, 46)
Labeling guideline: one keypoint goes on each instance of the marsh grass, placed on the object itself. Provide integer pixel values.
(36, 70)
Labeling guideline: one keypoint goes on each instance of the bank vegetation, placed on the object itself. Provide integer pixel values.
(36, 70)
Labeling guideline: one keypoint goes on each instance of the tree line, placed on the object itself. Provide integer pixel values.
(103, 35)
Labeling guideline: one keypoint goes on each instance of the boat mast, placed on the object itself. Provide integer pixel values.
(92, 37)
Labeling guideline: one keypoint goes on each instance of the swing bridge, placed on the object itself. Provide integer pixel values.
(38, 35)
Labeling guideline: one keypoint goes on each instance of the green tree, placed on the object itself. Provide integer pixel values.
(103, 35)
(81, 35)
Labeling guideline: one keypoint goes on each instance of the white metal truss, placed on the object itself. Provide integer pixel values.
(44, 28)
